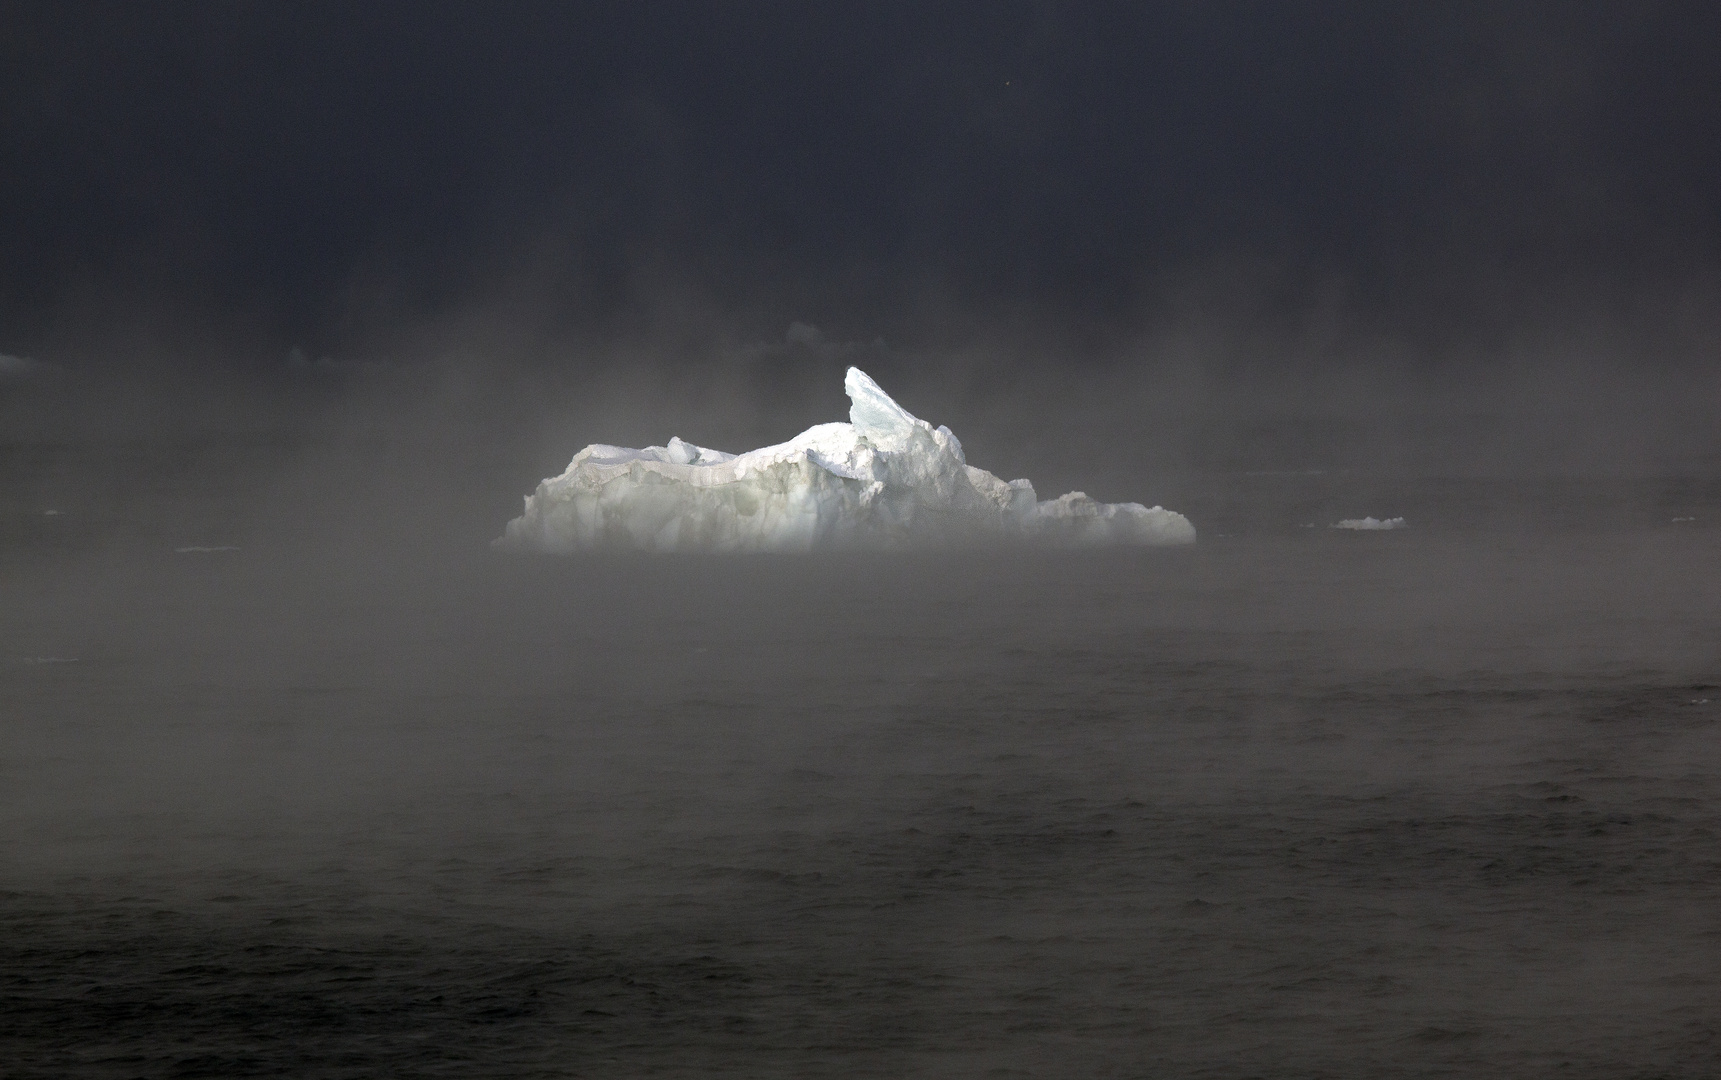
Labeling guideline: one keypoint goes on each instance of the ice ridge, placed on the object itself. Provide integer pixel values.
(1370, 524)
(885, 479)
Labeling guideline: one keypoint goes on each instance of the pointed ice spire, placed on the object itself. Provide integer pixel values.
(871, 409)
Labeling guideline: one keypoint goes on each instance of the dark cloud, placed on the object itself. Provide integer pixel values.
(328, 167)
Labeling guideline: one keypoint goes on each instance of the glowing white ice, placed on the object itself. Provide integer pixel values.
(1369, 524)
(885, 479)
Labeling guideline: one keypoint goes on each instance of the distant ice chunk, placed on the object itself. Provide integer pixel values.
(1369, 524)
(885, 479)
(17, 366)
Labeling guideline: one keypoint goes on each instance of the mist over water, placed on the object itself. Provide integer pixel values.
(1294, 800)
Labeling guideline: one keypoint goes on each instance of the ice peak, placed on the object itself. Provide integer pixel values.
(871, 409)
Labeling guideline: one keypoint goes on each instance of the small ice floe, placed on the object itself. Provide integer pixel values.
(47, 660)
(195, 550)
(1680, 520)
(1369, 524)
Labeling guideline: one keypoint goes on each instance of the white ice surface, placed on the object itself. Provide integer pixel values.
(885, 479)
(1369, 524)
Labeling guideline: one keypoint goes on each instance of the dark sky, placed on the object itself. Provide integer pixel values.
(317, 167)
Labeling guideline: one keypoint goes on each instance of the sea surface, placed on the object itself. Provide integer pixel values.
(1292, 802)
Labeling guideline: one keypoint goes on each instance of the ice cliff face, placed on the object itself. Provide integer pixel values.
(885, 479)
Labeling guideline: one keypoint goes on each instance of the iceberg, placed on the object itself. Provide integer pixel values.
(1369, 524)
(886, 479)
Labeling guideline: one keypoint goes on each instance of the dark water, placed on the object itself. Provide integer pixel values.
(1295, 802)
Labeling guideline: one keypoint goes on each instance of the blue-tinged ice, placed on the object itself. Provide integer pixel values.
(885, 479)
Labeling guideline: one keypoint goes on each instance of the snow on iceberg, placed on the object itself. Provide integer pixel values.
(1369, 524)
(885, 479)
